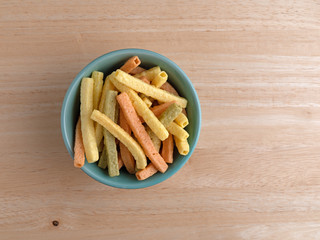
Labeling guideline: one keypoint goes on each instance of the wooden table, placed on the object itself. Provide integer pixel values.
(255, 173)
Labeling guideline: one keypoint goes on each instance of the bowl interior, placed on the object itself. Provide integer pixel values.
(107, 64)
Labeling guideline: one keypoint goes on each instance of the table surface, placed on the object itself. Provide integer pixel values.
(255, 173)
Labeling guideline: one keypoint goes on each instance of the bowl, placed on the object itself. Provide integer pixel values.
(107, 63)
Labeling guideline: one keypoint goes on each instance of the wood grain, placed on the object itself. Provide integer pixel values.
(255, 173)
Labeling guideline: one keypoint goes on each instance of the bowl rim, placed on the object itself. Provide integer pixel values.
(134, 51)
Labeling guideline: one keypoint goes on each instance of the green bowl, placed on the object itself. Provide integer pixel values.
(107, 63)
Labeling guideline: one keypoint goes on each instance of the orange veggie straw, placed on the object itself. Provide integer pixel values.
(167, 154)
(184, 112)
(120, 162)
(168, 87)
(167, 149)
(126, 155)
(140, 132)
(137, 70)
(131, 64)
(159, 109)
(147, 172)
(144, 79)
(78, 147)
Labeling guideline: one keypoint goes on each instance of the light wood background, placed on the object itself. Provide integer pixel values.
(255, 173)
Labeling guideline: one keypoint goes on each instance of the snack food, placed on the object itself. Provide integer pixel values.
(137, 70)
(123, 137)
(131, 64)
(107, 86)
(131, 100)
(126, 156)
(160, 79)
(140, 133)
(168, 87)
(159, 109)
(103, 162)
(144, 79)
(167, 149)
(148, 89)
(170, 114)
(147, 101)
(97, 87)
(182, 145)
(147, 172)
(78, 147)
(87, 126)
(182, 120)
(149, 74)
(177, 131)
(155, 140)
(151, 120)
(109, 140)
(120, 162)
